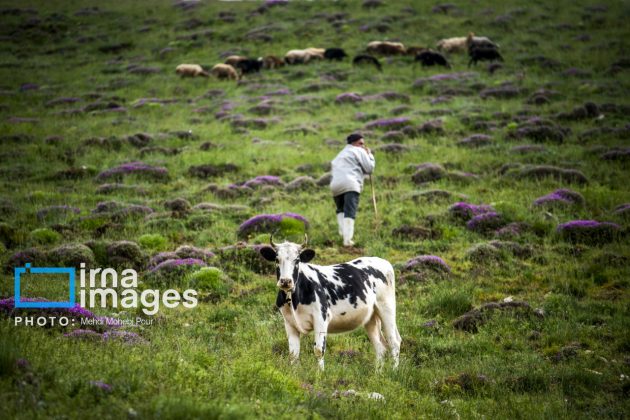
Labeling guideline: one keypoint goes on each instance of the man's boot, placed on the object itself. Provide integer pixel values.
(340, 223)
(348, 231)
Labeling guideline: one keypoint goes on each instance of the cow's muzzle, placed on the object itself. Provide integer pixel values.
(285, 284)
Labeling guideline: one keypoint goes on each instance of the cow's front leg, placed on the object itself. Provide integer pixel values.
(320, 332)
(294, 342)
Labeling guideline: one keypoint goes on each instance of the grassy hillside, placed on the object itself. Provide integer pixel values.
(530, 318)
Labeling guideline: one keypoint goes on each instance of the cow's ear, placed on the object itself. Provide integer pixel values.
(307, 255)
(268, 253)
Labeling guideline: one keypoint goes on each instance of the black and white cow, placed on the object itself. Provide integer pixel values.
(334, 299)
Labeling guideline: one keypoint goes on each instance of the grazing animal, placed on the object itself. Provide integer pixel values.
(224, 71)
(334, 299)
(335, 54)
(479, 42)
(386, 48)
(233, 60)
(413, 51)
(316, 52)
(366, 59)
(483, 54)
(191, 70)
(303, 56)
(432, 58)
(272, 62)
(452, 45)
(250, 65)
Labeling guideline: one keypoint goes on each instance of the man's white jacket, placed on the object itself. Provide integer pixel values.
(349, 169)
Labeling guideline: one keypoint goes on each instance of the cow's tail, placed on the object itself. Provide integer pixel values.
(391, 279)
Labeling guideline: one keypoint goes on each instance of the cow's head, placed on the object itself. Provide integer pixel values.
(287, 257)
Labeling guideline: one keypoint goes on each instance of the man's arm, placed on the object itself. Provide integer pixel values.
(366, 160)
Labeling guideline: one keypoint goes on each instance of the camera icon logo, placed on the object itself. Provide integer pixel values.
(17, 273)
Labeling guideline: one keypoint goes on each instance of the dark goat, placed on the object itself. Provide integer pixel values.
(483, 54)
(432, 58)
(366, 59)
(249, 65)
(335, 54)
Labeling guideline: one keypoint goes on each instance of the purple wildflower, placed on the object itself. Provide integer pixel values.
(588, 231)
(102, 386)
(560, 196)
(138, 168)
(263, 180)
(622, 209)
(485, 222)
(431, 262)
(466, 211)
(266, 222)
(348, 98)
(161, 257)
(186, 251)
(389, 123)
(511, 230)
(178, 262)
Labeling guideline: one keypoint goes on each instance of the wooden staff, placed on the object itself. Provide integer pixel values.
(373, 195)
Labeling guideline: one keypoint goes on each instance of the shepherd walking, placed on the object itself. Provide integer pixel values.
(349, 169)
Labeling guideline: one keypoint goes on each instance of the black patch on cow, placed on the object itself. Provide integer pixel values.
(371, 271)
(354, 285)
(343, 313)
(281, 299)
(324, 346)
(307, 255)
(268, 253)
(355, 262)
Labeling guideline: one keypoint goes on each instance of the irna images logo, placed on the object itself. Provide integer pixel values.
(18, 271)
(105, 288)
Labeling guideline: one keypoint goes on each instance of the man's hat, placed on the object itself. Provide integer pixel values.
(353, 137)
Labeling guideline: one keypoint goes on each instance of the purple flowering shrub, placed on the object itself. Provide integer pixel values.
(486, 222)
(427, 172)
(465, 211)
(72, 255)
(589, 232)
(285, 223)
(622, 210)
(126, 254)
(34, 256)
(171, 272)
(561, 196)
(388, 123)
(141, 169)
(431, 262)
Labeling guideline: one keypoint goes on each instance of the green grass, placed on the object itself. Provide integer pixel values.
(228, 357)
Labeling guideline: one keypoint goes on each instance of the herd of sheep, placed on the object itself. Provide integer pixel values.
(479, 48)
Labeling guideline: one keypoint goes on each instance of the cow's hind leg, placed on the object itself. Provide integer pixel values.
(373, 328)
(387, 313)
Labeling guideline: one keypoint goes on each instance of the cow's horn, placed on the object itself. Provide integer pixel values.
(305, 241)
(271, 242)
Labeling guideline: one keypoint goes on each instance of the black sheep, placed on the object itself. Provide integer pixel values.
(366, 59)
(432, 58)
(483, 53)
(249, 65)
(335, 54)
